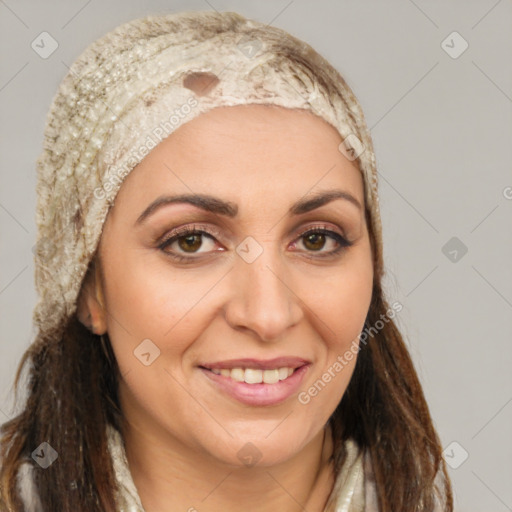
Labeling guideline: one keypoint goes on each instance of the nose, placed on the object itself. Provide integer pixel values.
(262, 298)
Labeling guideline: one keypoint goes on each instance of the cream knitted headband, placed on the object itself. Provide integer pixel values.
(132, 88)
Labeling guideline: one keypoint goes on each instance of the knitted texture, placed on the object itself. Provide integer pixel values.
(132, 88)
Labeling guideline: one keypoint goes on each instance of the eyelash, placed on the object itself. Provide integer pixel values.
(343, 243)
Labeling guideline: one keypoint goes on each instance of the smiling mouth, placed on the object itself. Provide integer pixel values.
(258, 382)
(255, 375)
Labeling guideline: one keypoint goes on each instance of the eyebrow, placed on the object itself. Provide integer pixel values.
(217, 206)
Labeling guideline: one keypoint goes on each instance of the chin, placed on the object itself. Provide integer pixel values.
(262, 449)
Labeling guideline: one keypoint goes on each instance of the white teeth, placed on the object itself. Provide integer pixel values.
(270, 376)
(283, 373)
(237, 374)
(254, 375)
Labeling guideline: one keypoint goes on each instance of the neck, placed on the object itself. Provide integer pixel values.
(175, 479)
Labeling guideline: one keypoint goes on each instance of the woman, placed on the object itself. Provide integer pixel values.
(212, 330)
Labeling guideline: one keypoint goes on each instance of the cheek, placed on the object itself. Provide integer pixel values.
(146, 301)
(152, 323)
(340, 312)
(343, 304)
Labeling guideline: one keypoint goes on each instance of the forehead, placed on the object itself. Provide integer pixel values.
(258, 127)
(246, 152)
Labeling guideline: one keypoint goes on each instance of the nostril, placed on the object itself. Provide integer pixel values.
(201, 83)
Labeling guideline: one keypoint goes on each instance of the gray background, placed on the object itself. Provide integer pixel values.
(442, 129)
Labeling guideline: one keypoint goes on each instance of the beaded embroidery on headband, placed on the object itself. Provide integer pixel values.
(132, 88)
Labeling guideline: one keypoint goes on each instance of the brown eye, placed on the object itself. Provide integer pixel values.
(194, 241)
(315, 241)
(187, 240)
(190, 242)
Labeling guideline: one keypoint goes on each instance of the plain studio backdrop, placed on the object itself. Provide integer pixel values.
(435, 82)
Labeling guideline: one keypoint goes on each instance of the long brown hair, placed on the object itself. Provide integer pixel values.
(73, 378)
(72, 396)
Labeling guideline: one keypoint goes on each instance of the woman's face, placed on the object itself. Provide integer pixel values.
(248, 280)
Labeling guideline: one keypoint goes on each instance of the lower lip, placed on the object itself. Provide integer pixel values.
(259, 394)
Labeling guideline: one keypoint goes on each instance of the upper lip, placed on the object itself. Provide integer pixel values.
(260, 364)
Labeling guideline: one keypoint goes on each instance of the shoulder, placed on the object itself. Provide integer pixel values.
(370, 488)
(27, 487)
(348, 491)
(440, 492)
